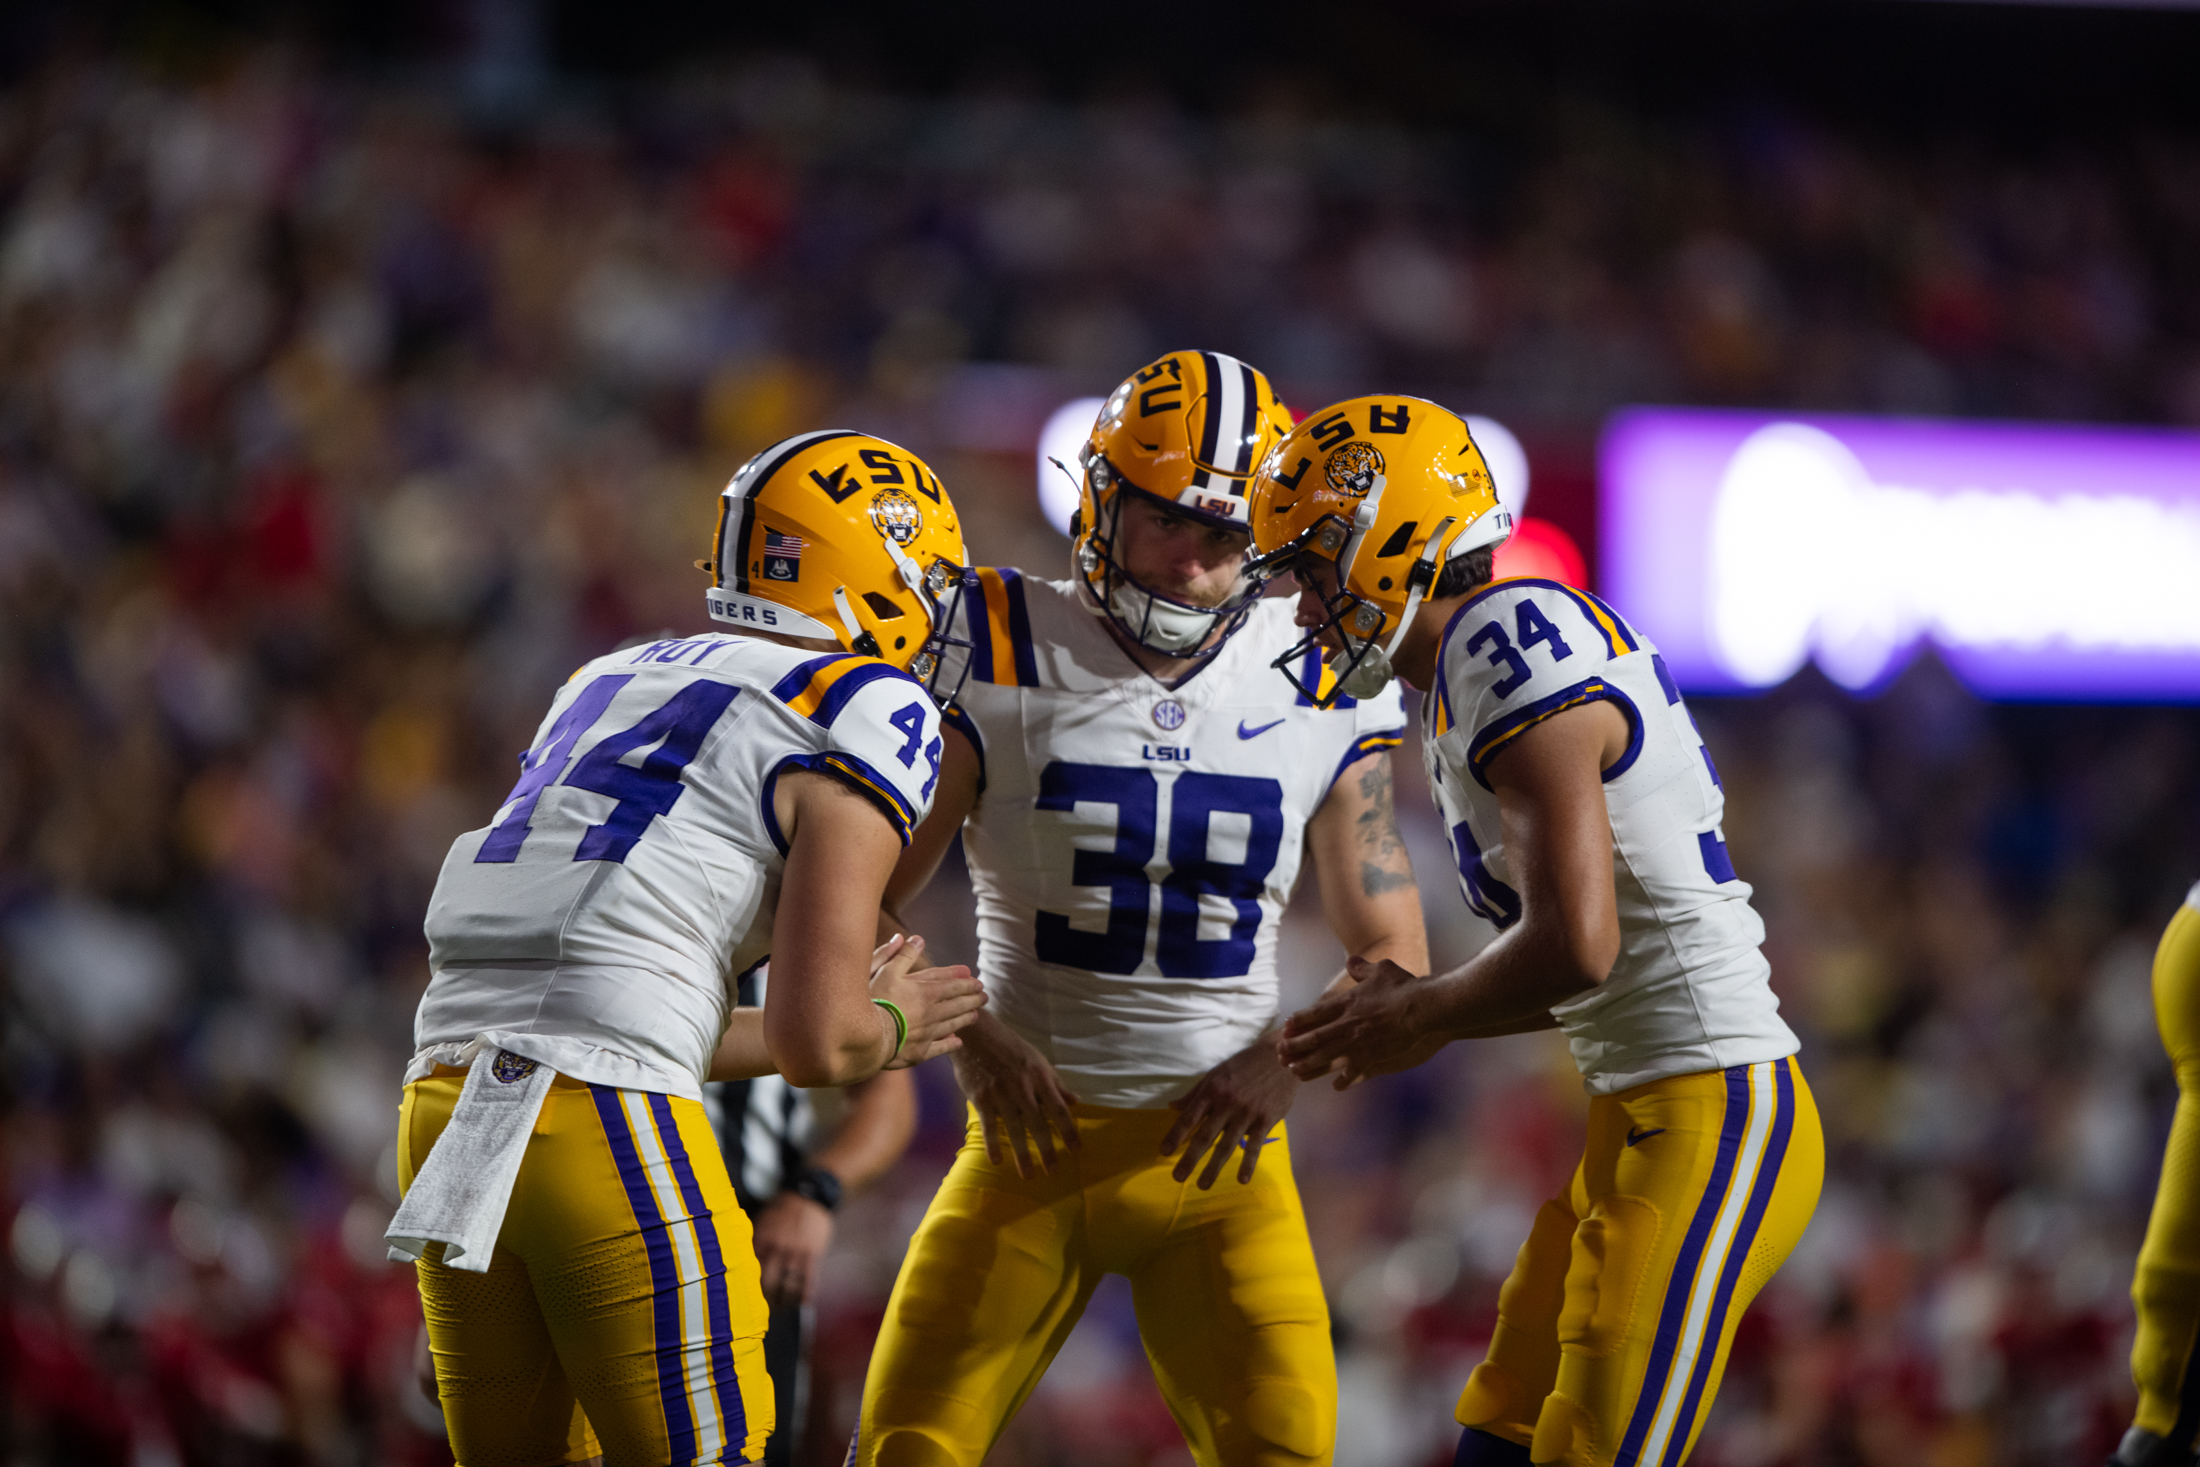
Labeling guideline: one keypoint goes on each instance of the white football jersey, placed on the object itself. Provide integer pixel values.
(599, 922)
(1134, 845)
(1690, 991)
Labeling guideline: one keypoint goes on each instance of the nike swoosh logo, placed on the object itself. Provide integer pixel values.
(1635, 1137)
(1254, 733)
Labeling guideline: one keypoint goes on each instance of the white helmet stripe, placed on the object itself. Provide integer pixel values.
(1229, 401)
(1241, 459)
(746, 484)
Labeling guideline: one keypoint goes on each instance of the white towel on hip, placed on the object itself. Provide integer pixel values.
(459, 1195)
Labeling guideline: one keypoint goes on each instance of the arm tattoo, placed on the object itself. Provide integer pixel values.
(1383, 864)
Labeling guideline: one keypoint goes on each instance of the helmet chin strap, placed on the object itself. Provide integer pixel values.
(911, 576)
(856, 633)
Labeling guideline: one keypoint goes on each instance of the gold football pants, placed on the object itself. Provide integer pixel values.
(1229, 1304)
(2166, 1288)
(621, 1311)
(1613, 1330)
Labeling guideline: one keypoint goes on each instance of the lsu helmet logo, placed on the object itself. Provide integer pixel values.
(1353, 468)
(896, 515)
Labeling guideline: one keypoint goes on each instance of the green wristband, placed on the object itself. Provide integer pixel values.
(901, 1024)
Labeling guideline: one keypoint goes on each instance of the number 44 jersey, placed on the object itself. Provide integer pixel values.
(599, 921)
(1134, 846)
(1690, 990)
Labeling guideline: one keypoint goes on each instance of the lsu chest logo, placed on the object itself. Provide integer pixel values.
(896, 515)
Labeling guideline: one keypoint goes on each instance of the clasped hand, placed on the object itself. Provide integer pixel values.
(937, 1002)
(1369, 1028)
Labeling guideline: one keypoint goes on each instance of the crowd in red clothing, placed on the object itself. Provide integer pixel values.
(335, 429)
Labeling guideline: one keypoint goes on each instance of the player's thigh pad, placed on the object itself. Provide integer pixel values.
(1692, 1191)
(1231, 1309)
(993, 1282)
(1505, 1393)
(641, 1271)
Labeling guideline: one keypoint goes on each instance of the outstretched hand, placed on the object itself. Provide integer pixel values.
(937, 1002)
(1367, 1029)
(1234, 1106)
(1020, 1100)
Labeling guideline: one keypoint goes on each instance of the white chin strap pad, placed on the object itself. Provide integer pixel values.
(1369, 676)
(1168, 628)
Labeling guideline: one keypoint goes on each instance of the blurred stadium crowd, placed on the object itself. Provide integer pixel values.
(338, 422)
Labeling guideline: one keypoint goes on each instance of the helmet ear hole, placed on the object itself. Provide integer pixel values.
(900, 643)
(881, 607)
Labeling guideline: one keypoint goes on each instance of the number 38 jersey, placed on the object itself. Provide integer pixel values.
(1133, 846)
(599, 922)
(1690, 990)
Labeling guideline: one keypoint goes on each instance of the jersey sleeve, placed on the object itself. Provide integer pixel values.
(1378, 726)
(1524, 651)
(879, 732)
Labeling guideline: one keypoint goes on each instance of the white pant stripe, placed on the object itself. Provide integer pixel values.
(710, 1433)
(1763, 1101)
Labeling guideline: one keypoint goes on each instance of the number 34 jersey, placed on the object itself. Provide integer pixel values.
(1690, 991)
(598, 922)
(1133, 846)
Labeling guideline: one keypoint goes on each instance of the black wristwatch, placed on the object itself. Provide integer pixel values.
(818, 1185)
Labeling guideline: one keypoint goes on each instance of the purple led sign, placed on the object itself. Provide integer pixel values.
(2043, 562)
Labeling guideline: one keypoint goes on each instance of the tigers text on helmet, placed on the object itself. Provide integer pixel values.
(846, 537)
(1186, 430)
(1386, 489)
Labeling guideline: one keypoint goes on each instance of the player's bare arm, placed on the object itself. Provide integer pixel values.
(1374, 907)
(1558, 839)
(1382, 927)
(821, 1027)
(743, 1055)
(1021, 1102)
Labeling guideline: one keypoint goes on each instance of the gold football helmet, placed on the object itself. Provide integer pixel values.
(843, 536)
(1387, 489)
(1186, 430)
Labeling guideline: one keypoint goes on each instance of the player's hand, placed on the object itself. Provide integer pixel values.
(1367, 1029)
(792, 1234)
(938, 1002)
(1017, 1094)
(1233, 1106)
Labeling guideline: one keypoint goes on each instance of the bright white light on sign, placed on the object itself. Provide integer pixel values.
(1066, 430)
(1809, 557)
(1508, 461)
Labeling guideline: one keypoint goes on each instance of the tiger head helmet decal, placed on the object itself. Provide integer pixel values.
(1354, 468)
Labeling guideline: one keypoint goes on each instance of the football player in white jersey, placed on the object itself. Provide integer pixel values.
(688, 807)
(1137, 795)
(1584, 811)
